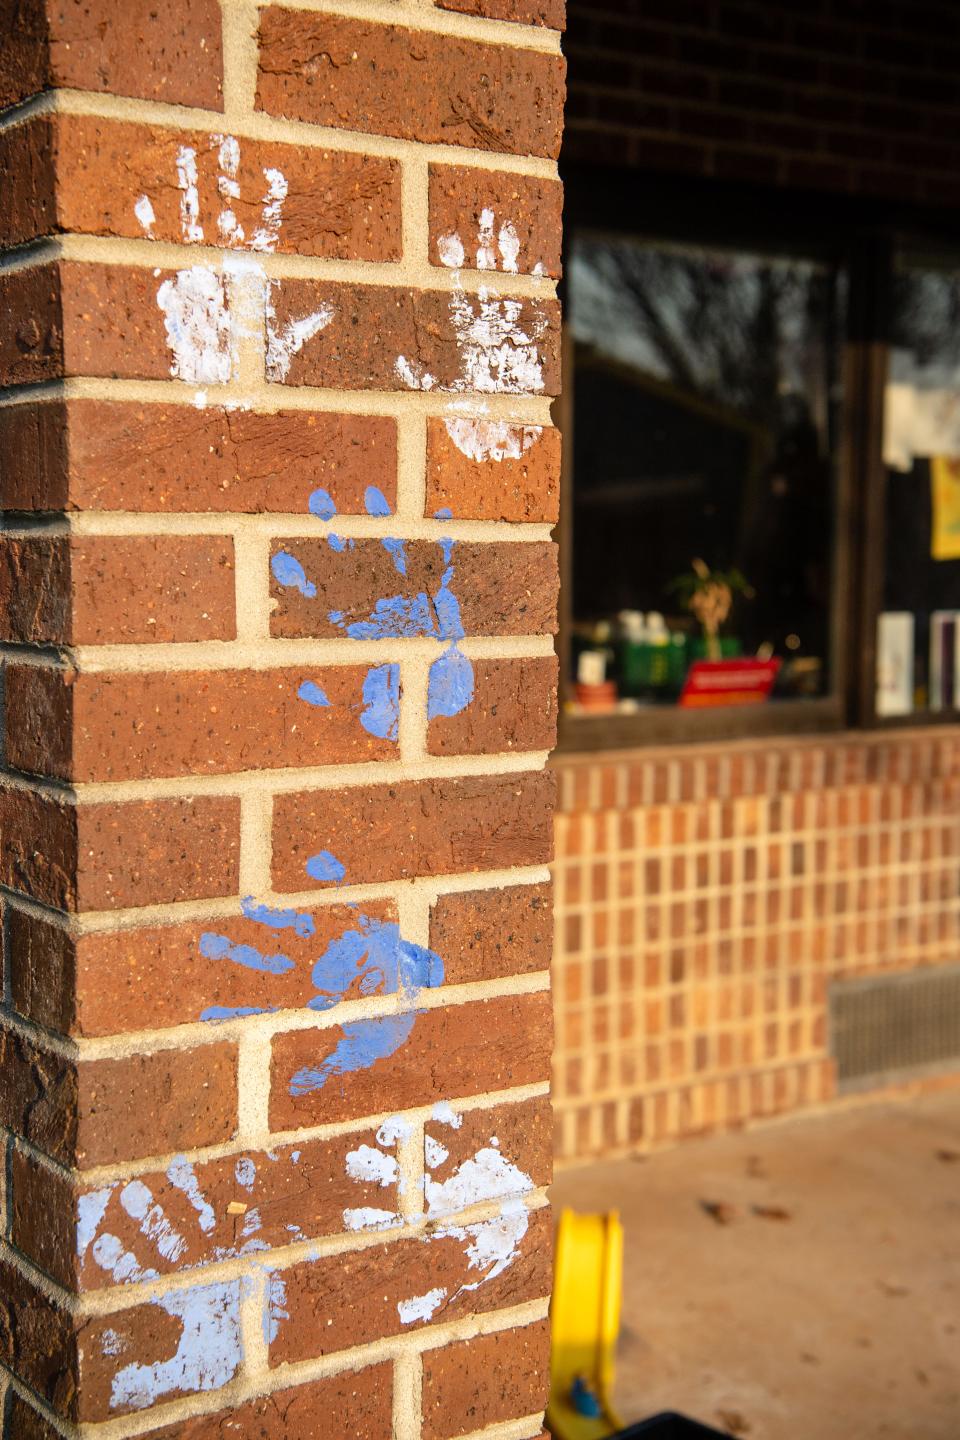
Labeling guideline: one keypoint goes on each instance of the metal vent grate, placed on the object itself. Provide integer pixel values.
(882, 1028)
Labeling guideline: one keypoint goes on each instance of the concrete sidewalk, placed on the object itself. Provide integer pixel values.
(799, 1281)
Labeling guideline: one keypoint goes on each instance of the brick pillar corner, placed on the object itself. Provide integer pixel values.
(277, 596)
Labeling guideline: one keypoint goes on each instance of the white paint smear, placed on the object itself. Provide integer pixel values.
(190, 227)
(394, 1128)
(121, 1265)
(487, 1175)
(284, 343)
(491, 1245)
(368, 1164)
(414, 378)
(498, 355)
(139, 1204)
(451, 252)
(265, 236)
(91, 1209)
(420, 1307)
(194, 306)
(492, 439)
(433, 1152)
(445, 1114)
(368, 1217)
(208, 1353)
(144, 213)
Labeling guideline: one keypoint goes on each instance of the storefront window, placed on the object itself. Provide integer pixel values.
(706, 396)
(918, 628)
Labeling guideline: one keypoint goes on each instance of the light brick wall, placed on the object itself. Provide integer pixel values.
(261, 1175)
(705, 900)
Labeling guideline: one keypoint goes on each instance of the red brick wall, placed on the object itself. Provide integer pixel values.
(707, 897)
(273, 821)
(857, 96)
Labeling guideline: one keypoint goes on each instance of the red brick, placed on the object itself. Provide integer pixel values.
(26, 1423)
(362, 1402)
(521, 1132)
(460, 1050)
(459, 194)
(346, 1300)
(37, 1343)
(388, 80)
(492, 470)
(551, 13)
(123, 455)
(489, 934)
(78, 727)
(514, 707)
(94, 1112)
(114, 855)
(260, 1200)
(31, 338)
(104, 982)
(483, 1381)
(374, 326)
(502, 588)
(338, 205)
(121, 47)
(415, 827)
(108, 590)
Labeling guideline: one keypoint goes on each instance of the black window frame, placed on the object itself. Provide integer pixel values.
(863, 237)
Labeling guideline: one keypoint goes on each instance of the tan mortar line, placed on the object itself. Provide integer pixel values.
(526, 1428)
(223, 907)
(289, 1376)
(269, 398)
(256, 531)
(240, 23)
(97, 1175)
(407, 1396)
(281, 781)
(164, 255)
(193, 1035)
(503, 33)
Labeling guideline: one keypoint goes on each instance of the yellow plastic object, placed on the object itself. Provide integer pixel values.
(585, 1321)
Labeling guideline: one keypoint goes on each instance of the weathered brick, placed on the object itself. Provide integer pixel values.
(384, 337)
(122, 47)
(94, 1112)
(415, 827)
(361, 1401)
(37, 1343)
(521, 1132)
(113, 325)
(77, 726)
(337, 204)
(31, 338)
(114, 855)
(502, 589)
(514, 707)
(26, 1423)
(123, 455)
(108, 590)
(104, 982)
(470, 203)
(453, 1051)
(493, 470)
(485, 1380)
(346, 1300)
(389, 80)
(551, 13)
(250, 1202)
(488, 934)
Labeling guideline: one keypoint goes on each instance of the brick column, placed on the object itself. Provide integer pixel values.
(277, 596)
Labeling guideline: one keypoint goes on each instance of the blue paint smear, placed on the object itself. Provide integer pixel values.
(363, 1043)
(321, 504)
(375, 501)
(220, 947)
(377, 955)
(312, 694)
(450, 685)
(381, 700)
(338, 543)
(447, 607)
(444, 513)
(237, 1012)
(277, 919)
(395, 548)
(325, 866)
(288, 571)
(394, 617)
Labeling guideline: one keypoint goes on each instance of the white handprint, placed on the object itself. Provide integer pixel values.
(208, 312)
(498, 355)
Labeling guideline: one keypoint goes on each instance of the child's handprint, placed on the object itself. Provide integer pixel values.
(207, 312)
